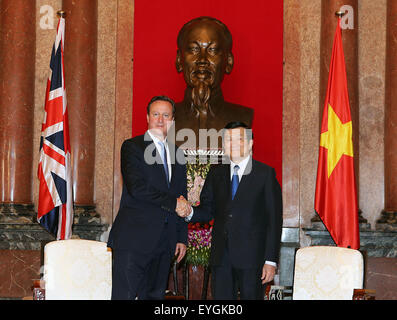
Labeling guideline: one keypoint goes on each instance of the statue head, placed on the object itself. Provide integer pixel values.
(204, 56)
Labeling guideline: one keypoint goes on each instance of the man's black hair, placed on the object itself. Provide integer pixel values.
(239, 124)
(161, 98)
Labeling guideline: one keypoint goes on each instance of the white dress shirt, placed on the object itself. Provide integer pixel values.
(242, 165)
(160, 151)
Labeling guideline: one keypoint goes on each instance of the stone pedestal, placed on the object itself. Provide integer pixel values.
(378, 243)
(19, 229)
(387, 222)
(289, 245)
(318, 224)
(87, 223)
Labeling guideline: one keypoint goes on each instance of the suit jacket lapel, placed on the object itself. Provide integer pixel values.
(228, 185)
(158, 165)
(245, 180)
(172, 149)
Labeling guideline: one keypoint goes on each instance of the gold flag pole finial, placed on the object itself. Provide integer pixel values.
(61, 13)
(340, 14)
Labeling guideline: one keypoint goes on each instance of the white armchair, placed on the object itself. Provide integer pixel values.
(77, 270)
(327, 273)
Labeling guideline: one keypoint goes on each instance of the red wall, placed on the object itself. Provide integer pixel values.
(256, 79)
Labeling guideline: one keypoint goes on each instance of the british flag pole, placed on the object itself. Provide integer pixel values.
(55, 206)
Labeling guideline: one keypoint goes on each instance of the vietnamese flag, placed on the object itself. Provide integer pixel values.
(336, 197)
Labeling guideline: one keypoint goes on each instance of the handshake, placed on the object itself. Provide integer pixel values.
(183, 207)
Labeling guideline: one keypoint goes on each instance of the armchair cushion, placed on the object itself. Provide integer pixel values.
(327, 273)
(77, 270)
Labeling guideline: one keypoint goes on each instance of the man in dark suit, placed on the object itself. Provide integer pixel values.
(147, 232)
(244, 199)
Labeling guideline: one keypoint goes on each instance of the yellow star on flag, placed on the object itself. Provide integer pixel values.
(338, 139)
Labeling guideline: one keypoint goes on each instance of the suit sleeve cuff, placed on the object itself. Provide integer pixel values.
(271, 263)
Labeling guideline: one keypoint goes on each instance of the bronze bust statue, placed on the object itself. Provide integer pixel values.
(204, 56)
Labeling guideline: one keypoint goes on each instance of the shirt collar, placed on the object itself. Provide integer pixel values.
(242, 165)
(155, 139)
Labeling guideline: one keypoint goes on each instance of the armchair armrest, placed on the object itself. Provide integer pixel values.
(38, 289)
(273, 292)
(364, 294)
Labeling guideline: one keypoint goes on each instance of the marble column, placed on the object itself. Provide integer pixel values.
(291, 114)
(17, 75)
(124, 80)
(389, 214)
(81, 82)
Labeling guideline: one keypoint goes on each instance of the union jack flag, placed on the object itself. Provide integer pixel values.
(55, 208)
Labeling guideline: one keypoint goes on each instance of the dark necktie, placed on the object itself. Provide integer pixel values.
(235, 181)
(165, 162)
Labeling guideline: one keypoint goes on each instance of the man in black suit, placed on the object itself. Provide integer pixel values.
(147, 232)
(244, 199)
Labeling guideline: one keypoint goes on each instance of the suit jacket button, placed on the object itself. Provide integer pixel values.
(230, 215)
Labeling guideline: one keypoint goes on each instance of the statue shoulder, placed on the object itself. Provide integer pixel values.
(239, 107)
(182, 108)
(241, 112)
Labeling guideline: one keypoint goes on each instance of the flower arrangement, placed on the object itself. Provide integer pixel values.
(199, 243)
(199, 234)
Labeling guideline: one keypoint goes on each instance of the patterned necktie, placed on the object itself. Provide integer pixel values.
(235, 181)
(165, 162)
